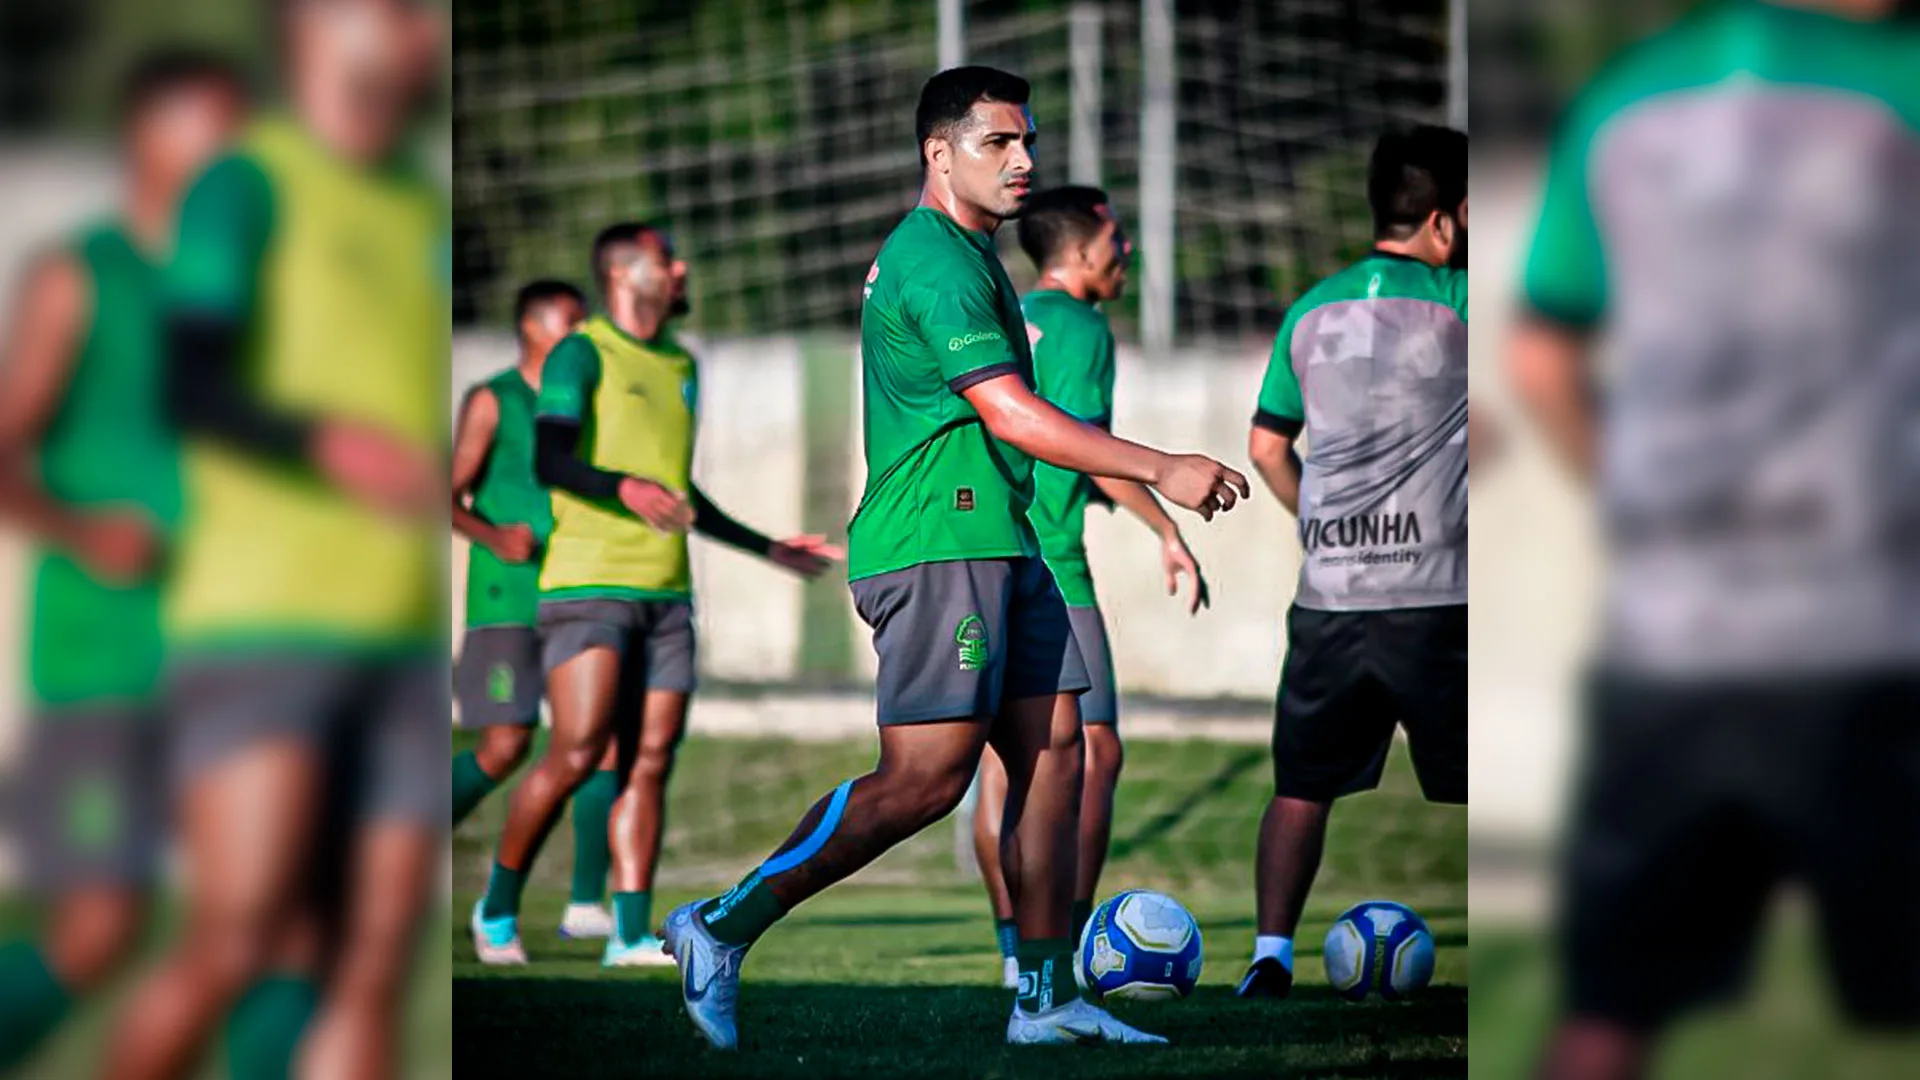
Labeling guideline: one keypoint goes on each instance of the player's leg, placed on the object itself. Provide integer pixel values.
(247, 756)
(586, 914)
(990, 803)
(1422, 656)
(497, 682)
(395, 847)
(90, 836)
(1100, 715)
(264, 1030)
(1332, 728)
(583, 642)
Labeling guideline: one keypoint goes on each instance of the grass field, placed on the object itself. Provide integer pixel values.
(895, 973)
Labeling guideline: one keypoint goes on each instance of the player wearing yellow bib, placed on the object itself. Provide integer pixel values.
(306, 322)
(88, 468)
(614, 436)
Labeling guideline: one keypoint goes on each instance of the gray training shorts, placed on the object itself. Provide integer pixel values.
(654, 637)
(87, 805)
(379, 725)
(497, 679)
(1101, 704)
(955, 639)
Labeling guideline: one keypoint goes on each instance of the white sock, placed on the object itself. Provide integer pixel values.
(1280, 948)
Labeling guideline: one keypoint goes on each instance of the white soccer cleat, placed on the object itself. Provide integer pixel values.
(496, 941)
(649, 951)
(709, 975)
(1009, 973)
(586, 921)
(1077, 1023)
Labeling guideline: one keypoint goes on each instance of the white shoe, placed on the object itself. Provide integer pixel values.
(496, 941)
(709, 975)
(649, 951)
(1009, 973)
(586, 921)
(1078, 1022)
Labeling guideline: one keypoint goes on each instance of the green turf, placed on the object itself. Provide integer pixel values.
(899, 978)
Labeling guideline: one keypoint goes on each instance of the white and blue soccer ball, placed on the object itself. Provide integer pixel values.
(1379, 947)
(1139, 945)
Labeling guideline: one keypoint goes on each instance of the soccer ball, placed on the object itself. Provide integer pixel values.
(1378, 947)
(1139, 945)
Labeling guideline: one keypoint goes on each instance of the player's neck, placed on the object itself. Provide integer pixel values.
(962, 214)
(149, 217)
(343, 127)
(530, 367)
(639, 321)
(1410, 249)
(1068, 284)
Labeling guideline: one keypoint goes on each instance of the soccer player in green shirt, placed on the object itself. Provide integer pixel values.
(1081, 252)
(614, 437)
(306, 346)
(972, 634)
(88, 467)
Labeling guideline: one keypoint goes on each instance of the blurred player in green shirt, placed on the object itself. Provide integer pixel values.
(307, 338)
(1081, 252)
(89, 468)
(972, 634)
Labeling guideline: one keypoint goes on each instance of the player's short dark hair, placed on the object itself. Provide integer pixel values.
(1057, 217)
(162, 71)
(613, 236)
(1413, 174)
(948, 97)
(544, 291)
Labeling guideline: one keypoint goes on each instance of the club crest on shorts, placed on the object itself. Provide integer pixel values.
(971, 637)
(500, 683)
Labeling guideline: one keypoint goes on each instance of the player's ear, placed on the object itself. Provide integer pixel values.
(936, 150)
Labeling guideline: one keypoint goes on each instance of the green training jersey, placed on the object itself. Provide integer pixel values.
(339, 272)
(498, 593)
(1732, 203)
(1372, 362)
(108, 445)
(636, 403)
(1073, 369)
(939, 316)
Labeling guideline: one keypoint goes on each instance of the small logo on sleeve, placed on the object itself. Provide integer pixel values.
(971, 637)
(963, 499)
(976, 337)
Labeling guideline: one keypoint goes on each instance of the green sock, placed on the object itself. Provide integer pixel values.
(470, 784)
(1008, 933)
(1082, 911)
(744, 913)
(632, 916)
(1046, 975)
(32, 1002)
(592, 806)
(264, 1029)
(503, 892)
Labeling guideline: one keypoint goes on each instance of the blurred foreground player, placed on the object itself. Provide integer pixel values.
(1372, 365)
(1731, 204)
(89, 469)
(617, 413)
(1081, 251)
(307, 694)
(972, 634)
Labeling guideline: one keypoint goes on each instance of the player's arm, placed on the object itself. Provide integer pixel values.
(36, 368)
(512, 542)
(1175, 557)
(209, 289)
(808, 556)
(566, 388)
(1548, 364)
(1277, 421)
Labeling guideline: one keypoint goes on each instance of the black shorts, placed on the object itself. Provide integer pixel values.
(1696, 800)
(1351, 677)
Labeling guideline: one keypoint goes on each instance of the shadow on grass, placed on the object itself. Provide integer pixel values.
(584, 1028)
(1207, 788)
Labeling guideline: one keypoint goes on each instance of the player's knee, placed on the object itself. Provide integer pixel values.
(1105, 756)
(943, 794)
(653, 764)
(228, 956)
(503, 750)
(573, 764)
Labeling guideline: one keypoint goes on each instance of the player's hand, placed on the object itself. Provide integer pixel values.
(808, 556)
(120, 547)
(513, 543)
(659, 506)
(379, 469)
(1177, 559)
(1200, 484)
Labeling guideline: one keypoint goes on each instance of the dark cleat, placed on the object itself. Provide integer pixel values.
(1267, 978)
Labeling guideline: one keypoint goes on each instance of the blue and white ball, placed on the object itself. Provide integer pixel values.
(1139, 945)
(1379, 947)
